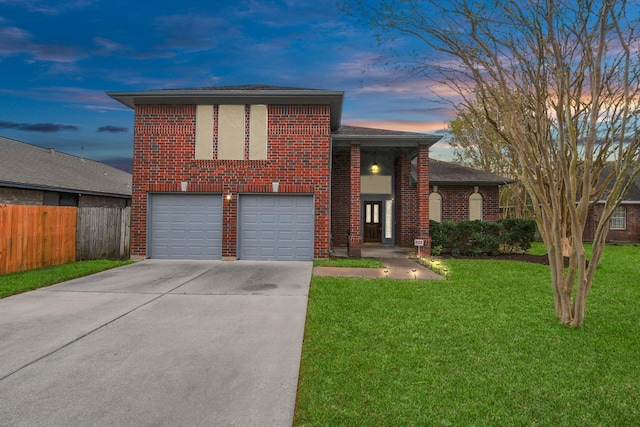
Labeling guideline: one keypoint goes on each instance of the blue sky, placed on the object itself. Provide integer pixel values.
(57, 59)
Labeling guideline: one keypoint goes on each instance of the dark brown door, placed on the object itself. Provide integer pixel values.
(372, 222)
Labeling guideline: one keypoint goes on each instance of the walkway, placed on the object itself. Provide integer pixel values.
(396, 261)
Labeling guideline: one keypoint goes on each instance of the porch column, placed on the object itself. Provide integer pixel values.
(354, 242)
(422, 223)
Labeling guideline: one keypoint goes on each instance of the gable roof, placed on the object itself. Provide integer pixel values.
(28, 166)
(445, 173)
(245, 94)
(371, 137)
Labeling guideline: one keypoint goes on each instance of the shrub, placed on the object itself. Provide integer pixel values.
(517, 234)
(480, 238)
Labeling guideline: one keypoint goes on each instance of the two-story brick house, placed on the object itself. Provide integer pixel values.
(262, 172)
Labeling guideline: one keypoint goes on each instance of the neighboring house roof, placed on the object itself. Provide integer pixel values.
(445, 173)
(28, 166)
(370, 137)
(632, 196)
(247, 94)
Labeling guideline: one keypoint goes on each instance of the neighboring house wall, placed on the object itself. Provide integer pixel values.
(455, 202)
(21, 196)
(89, 201)
(298, 156)
(631, 233)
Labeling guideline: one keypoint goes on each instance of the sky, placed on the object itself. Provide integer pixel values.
(58, 58)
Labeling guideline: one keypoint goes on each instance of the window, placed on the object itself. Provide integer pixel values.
(475, 207)
(435, 207)
(618, 220)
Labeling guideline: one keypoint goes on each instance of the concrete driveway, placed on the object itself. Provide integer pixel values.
(157, 343)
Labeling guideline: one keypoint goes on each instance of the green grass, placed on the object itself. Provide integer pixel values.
(348, 262)
(15, 283)
(481, 349)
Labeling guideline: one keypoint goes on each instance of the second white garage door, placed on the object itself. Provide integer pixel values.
(275, 227)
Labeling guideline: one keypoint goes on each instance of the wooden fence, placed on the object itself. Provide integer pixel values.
(40, 236)
(103, 233)
(36, 236)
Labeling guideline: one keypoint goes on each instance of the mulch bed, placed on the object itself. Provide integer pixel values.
(535, 259)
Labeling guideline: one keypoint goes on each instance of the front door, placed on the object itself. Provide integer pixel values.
(372, 222)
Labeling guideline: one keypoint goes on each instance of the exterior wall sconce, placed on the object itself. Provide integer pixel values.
(184, 185)
(229, 196)
(275, 186)
(375, 168)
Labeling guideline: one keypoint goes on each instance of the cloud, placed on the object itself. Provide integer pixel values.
(37, 127)
(16, 41)
(48, 7)
(113, 129)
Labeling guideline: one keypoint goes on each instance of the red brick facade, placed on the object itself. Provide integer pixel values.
(630, 234)
(455, 202)
(298, 157)
(346, 203)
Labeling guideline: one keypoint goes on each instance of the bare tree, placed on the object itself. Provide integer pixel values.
(559, 83)
(476, 144)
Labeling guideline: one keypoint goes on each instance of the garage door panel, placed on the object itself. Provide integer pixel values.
(277, 227)
(185, 226)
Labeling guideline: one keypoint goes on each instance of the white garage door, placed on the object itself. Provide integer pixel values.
(185, 226)
(275, 227)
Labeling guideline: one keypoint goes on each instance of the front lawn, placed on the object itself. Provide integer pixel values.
(483, 348)
(15, 283)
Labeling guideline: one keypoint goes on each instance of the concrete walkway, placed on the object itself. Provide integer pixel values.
(396, 261)
(157, 343)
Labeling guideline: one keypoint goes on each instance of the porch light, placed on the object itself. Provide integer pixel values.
(375, 168)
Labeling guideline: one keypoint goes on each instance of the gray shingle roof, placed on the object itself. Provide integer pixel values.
(445, 173)
(363, 131)
(24, 165)
(632, 196)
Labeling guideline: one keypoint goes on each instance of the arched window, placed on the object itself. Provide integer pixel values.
(435, 207)
(475, 206)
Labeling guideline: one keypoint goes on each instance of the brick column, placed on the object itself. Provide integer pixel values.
(229, 224)
(422, 220)
(354, 244)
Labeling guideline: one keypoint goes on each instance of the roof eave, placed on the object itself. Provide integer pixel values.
(199, 97)
(384, 140)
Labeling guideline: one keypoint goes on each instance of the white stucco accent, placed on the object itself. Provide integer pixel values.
(231, 132)
(375, 184)
(258, 132)
(435, 207)
(204, 132)
(475, 206)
